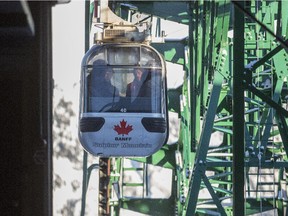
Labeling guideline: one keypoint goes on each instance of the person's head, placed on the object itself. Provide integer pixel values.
(104, 74)
(138, 74)
(108, 75)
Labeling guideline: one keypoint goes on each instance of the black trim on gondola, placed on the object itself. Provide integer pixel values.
(157, 125)
(91, 124)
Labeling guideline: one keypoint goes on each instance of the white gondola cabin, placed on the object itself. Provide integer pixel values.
(123, 108)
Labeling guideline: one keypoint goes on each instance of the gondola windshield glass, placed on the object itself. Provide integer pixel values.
(123, 108)
(123, 79)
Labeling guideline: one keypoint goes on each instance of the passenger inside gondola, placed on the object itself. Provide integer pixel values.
(103, 93)
(139, 91)
(102, 86)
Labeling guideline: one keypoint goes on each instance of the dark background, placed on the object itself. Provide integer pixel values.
(26, 103)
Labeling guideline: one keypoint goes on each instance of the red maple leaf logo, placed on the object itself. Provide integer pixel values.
(123, 129)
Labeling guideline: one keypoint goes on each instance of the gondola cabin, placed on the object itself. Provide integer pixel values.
(123, 110)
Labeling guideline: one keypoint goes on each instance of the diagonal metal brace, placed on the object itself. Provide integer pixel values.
(257, 63)
(213, 195)
(251, 16)
(266, 99)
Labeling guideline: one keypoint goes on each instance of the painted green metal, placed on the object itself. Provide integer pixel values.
(238, 111)
(165, 157)
(170, 10)
(173, 51)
